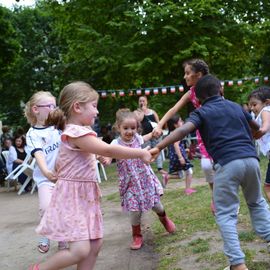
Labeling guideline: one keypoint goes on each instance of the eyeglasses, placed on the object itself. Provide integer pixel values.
(50, 106)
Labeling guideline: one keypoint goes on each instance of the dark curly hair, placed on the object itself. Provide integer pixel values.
(197, 65)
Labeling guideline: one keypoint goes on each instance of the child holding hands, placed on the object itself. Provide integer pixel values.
(74, 213)
(139, 187)
(43, 143)
(259, 105)
(178, 158)
(225, 130)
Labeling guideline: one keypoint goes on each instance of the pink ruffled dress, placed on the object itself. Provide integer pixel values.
(74, 213)
(197, 104)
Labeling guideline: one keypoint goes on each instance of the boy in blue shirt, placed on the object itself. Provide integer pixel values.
(226, 132)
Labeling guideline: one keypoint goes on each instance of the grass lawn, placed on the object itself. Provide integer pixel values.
(197, 243)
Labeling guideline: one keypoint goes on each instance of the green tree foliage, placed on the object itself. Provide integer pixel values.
(8, 44)
(36, 65)
(124, 44)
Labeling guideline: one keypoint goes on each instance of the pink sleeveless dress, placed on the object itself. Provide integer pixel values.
(74, 212)
(197, 104)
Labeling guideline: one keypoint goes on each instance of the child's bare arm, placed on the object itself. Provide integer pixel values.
(41, 162)
(265, 122)
(104, 160)
(170, 113)
(147, 137)
(91, 144)
(255, 129)
(177, 135)
(178, 153)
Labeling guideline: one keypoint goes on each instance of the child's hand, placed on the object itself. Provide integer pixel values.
(182, 161)
(104, 160)
(154, 152)
(146, 156)
(50, 176)
(157, 132)
(257, 134)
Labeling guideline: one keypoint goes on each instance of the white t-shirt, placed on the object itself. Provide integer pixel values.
(264, 141)
(12, 155)
(47, 140)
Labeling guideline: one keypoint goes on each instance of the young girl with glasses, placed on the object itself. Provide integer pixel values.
(43, 143)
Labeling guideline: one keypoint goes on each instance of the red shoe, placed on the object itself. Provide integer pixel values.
(167, 223)
(137, 237)
(137, 242)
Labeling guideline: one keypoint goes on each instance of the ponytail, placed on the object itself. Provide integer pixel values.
(56, 118)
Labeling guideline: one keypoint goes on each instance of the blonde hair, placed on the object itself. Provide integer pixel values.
(78, 91)
(34, 100)
(123, 114)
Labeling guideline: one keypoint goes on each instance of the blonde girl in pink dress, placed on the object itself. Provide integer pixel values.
(194, 70)
(74, 213)
(139, 187)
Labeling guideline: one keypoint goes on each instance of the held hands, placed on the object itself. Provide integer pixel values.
(157, 132)
(154, 152)
(104, 160)
(257, 134)
(146, 155)
(50, 175)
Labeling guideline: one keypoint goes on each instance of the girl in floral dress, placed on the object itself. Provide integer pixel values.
(74, 213)
(139, 187)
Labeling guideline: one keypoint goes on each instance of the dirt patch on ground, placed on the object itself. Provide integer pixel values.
(18, 240)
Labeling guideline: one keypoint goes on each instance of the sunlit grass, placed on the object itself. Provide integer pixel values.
(197, 240)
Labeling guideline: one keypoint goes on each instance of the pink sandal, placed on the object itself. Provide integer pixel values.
(34, 267)
(189, 191)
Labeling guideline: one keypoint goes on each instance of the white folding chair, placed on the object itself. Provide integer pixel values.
(100, 166)
(27, 168)
(5, 154)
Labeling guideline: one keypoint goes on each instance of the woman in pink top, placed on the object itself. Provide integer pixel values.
(194, 70)
(74, 214)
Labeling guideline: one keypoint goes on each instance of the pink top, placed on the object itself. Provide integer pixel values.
(83, 164)
(196, 104)
(74, 212)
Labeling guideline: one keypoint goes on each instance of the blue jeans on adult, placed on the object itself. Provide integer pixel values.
(228, 178)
